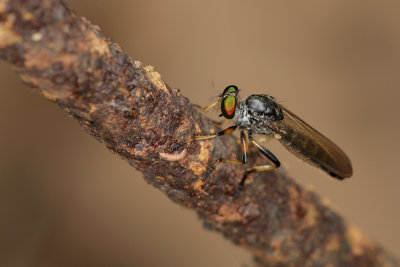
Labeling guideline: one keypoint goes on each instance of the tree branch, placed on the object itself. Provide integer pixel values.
(134, 113)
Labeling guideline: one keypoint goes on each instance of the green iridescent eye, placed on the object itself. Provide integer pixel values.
(228, 106)
(230, 89)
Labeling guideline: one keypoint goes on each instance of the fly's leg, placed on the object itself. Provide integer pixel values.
(205, 109)
(265, 152)
(244, 146)
(224, 132)
(208, 107)
(260, 168)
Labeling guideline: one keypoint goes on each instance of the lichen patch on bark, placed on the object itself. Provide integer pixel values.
(197, 168)
(7, 35)
(228, 213)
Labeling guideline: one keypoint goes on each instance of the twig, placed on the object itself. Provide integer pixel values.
(134, 113)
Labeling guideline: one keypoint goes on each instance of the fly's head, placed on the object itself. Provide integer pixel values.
(229, 101)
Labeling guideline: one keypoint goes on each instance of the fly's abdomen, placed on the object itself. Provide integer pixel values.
(308, 144)
(300, 143)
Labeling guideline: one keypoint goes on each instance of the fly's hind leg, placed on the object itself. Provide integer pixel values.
(261, 168)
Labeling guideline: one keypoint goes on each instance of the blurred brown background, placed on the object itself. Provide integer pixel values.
(67, 201)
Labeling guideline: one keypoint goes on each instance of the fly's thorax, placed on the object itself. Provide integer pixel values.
(264, 106)
(257, 112)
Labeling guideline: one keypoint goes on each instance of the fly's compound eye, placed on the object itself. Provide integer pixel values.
(228, 106)
(231, 89)
(228, 103)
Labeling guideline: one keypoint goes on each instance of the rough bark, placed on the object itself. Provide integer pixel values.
(128, 107)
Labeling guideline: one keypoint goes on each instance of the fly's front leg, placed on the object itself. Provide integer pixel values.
(208, 107)
(266, 153)
(205, 109)
(224, 132)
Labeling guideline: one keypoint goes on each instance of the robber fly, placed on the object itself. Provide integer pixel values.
(262, 115)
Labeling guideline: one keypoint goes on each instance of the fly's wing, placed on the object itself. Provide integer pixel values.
(310, 145)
